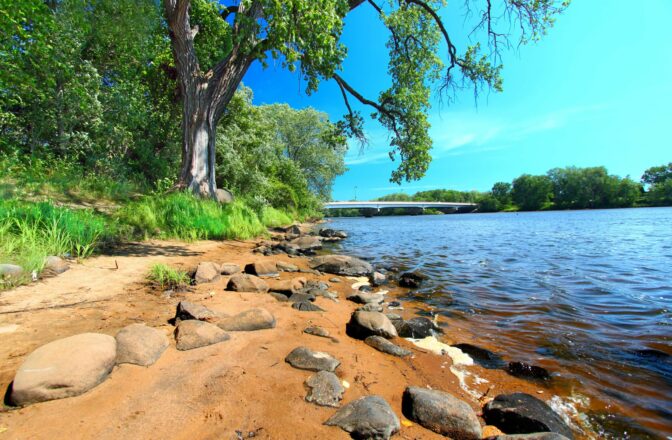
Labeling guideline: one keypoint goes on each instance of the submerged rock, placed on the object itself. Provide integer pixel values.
(247, 283)
(368, 417)
(441, 412)
(342, 265)
(382, 344)
(64, 368)
(418, 328)
(412, 280)
(140, 345)
(247, 321)
(521, 413)
(325, 389)
(195, 334)
(207, 272)
(304, 358)
(365, 324)
(527, 371)
(484, 358)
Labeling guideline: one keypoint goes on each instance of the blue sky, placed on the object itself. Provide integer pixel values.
(595, 91)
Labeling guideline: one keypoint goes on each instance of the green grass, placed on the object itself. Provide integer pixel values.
(273, 218)
(167, 277)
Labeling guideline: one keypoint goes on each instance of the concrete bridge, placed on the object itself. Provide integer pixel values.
(368, 207)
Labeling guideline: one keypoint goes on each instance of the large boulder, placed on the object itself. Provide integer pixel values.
(207, 272)
(263, 269)
(307, 243)
(418, 328)
(229, 268)
(54, 265)
(140, 345)
(342, 265)
(325, 389)
(333, 233)
(521, 413)
(64, 368)
(247, 321)
(223, 196)
(364, 324)
(195, 334)
(287, 287)
(441, 412)
(304, 358)
(368, 417)
(187, 310)
(382, 344)
(247, 283)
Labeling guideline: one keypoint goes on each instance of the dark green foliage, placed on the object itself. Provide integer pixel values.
(581, 188)
(659, 180)
(658, 174)
(531, 193)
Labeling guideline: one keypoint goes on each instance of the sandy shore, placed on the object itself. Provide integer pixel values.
(223, 391)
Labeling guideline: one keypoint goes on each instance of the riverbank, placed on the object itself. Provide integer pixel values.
(242, 385)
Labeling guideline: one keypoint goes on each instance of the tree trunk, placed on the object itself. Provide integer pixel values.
(198, 146)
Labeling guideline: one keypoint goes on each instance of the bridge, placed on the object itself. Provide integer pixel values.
(378, 205)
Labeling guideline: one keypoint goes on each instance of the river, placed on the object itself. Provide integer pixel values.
(586, 294)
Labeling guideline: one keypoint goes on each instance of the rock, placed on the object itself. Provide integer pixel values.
(247, 283)
(324, 294)
(307, 243)
(304, 358)
(520, 413)
(207, 272)
(229, 268)
(64, 368)
(418, 328)
(263, 269)
(371, 308)
(484, 358)
(333, 233)
(10, 271)
(223, 196)
(396, 320)
(441, 412)
(187, 310)
(140, 345)
(527, 371)
(412, 280)
(365, 288)
(365, 324)
(305, 306)
(247, 321)
(382, 344)
(194, 334)
(55, 265)
(395, 305)
(334, 280)
(316, 331)
(286, 267)
(315, 284)
(302, 297)
(279, 296)
(366, 298)
(368, 417)
(293, 229)
(378, 279)
(535, 436)
(325, 389)
(342, 265)
(288, 287)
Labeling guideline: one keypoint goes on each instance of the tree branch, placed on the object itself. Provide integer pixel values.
(228, 11)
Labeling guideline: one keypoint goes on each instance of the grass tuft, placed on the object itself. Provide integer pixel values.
(167, 277)
(273, 218)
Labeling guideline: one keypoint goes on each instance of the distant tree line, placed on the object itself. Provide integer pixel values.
(559, 188)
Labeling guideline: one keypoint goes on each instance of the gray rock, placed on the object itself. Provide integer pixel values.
(195, 334)
(304, 358)
(368, 417)
(324, 294)
(341, 265)
(382, 344)
(229, 268)
(371, 308)
(378, 279)
(10, 271)
(287, 267)
(325, 389)
(334, 280)
(247, 283)
(288, 287)
(263, 269)
(223, 196)
(333, 233)
(535, 436)
(279, 296)
(54, 265)
(412, 279)
(418, 328)
(293, 230)
(64, 368)
(247, 321)
(140, 345)
(187, 310)
(306, 306)
(521, 413)
(366, 298)
(365, 324)
(307, 243)
(441, 412)
(302, 297)
(207, 272)
(316, 331)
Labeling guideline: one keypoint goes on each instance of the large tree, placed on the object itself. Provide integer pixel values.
(305, 35)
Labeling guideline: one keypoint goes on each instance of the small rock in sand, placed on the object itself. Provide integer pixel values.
(334, 280)
(187, 310)
(140, 345)
(247, 321)
(229, 268)
(306, 306)
(368, 417)
(302, 297)
(194, 334)
(54, 265)
(262, 269)
(366, 298)
(247, 283)
(342, 265)
(286, 267)
(288, 287)
(316, 331)
(325, 389)
(207, 272)
(382, 344)
(365, 324)
(304, 358)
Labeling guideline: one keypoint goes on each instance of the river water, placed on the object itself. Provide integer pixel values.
(586, 294)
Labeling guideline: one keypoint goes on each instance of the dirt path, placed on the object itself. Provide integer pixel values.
(239, 386)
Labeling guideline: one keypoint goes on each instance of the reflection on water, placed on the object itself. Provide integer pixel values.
(588, 293)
